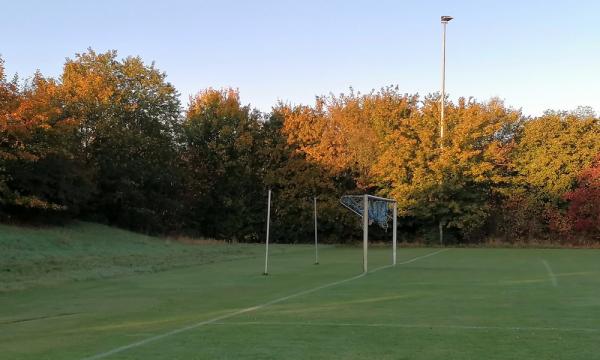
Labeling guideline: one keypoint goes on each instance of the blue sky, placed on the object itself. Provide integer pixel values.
(534, 54)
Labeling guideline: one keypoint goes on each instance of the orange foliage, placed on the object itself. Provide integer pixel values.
(584, 201)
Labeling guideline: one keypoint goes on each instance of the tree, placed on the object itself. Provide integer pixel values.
(223, 186)
(553, 149)
(127, 116)
(41, 174)
(345, 133)
(108, 141)
(55, 178)
(11, 145)
(296, 180)
(549, 154)
(389, 142)
(454, 184)
(584, 202)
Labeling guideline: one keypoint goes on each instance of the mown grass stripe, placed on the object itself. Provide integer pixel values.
(410, 326)
(550, 274)
(246, 310)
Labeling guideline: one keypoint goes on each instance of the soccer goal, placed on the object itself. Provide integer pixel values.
(314, 200)
(373, 209)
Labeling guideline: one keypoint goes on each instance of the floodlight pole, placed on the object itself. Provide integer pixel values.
(267, 239)
(316, 233)
(394, 232)
(365, 219)
(445, 20)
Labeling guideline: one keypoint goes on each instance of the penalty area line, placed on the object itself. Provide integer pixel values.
(246, 310)
(407, 261)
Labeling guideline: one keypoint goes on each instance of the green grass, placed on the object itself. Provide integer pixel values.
(457, 304)
(81, 251)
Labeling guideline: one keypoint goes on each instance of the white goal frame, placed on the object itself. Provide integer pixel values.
(266, 271)
(365, 225)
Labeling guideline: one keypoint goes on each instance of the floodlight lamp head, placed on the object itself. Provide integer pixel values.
(446, 18)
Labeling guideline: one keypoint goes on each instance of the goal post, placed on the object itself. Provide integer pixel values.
(316, 232)
(373, 209)
(269, 196)
(266, 272)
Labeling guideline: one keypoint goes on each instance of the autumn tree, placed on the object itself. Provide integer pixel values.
(454, 183)
(41, 174)
(13, 139)
(127, 116)
(57, 177)
(584, 202)
(389, 142)
(345, 132)
(296, 180)
(108, 141)
(550, 152)
(553, 149)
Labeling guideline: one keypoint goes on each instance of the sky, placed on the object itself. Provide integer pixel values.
(536, 55)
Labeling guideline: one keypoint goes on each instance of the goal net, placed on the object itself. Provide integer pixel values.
(373, 209)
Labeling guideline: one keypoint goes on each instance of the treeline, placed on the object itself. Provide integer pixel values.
(109, 141)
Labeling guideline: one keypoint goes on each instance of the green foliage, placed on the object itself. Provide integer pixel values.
(221, 144)
(127, 115)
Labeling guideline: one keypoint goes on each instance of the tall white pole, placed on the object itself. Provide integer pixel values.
(443, 99)
(445, 20)
(394, 232)
(316, 234)
(365, 230)
(267, 240)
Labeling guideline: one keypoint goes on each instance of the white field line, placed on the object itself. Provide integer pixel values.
(416, 259)
(243, 311)
(409, 326)
(550, 273)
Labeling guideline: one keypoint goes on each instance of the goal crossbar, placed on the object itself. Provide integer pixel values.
(380, 215)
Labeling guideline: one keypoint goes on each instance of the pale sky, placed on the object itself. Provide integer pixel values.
(534, 54)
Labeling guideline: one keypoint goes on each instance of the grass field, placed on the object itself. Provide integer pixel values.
(435, 304)
(81, 251)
